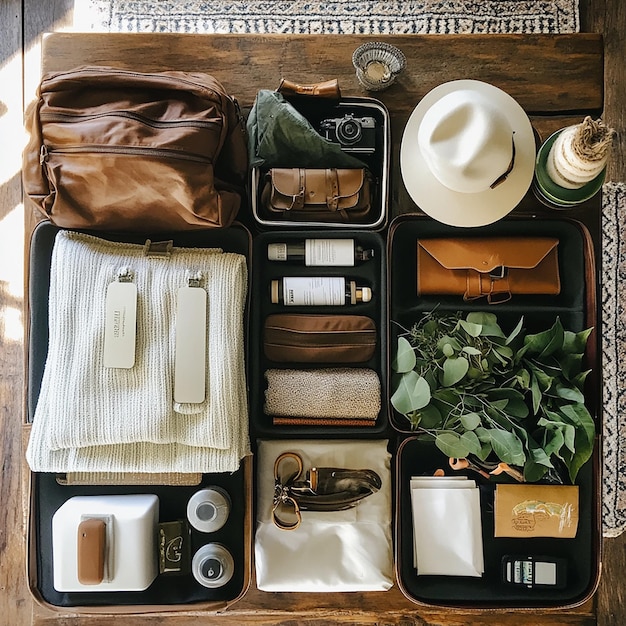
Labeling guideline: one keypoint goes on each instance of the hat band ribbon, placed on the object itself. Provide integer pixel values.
(509, 169)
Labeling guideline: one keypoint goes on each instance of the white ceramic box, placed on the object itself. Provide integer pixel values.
(130, 541)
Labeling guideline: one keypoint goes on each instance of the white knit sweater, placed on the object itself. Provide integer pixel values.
(93, 418)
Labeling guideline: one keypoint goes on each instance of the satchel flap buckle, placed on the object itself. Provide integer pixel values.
(499, 272)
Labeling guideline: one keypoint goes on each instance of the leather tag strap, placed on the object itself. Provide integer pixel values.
(495, 287)
(299, 175)
(332, 189)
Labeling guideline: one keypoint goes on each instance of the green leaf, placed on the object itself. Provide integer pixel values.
(571, 365)
(431, 327)
(523, 376)
(535, 393)
(507, 447)
(472, 442)
(569, 436)
(505, 393)
(485, 450)
(517, 408)
(412, 393)
(575, 343)
(539, 343)
(482, 317)
(540, 456)
(579, 380)
(533, 471)
(447, 343)
(515, 332)
(454, 370)
(555, 442)
(584, 439)
(473, 330)
(430, 417)
(451, 445)
(483, 434)
(470, 421)
(567, 393)
(580, 417)
(471, 351)
(405, 357)
(488, 321)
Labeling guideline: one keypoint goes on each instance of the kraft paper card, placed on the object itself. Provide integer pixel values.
(536, 511)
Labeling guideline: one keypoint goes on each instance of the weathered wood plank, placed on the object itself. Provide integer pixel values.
(16, 605)
(551, 74)
(609, 17)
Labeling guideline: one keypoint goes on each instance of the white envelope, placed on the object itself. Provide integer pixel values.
(447, 528)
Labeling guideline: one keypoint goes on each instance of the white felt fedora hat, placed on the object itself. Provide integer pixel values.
(468, 153)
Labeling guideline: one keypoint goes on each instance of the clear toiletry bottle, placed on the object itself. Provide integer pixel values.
(318, 291)
(320, 252)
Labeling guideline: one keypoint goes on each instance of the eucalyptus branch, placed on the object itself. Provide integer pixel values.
(460, 375)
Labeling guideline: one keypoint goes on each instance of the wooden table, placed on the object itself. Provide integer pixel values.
(556, 78)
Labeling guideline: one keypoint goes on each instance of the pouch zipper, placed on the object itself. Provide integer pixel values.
(331, 339)
(46, 150)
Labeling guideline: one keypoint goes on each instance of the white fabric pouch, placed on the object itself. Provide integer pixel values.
(347, 550)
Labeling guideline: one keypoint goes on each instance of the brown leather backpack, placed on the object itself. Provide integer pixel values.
(113, 149)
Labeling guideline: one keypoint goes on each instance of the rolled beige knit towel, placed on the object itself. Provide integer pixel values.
(579, 153)
(332, 393)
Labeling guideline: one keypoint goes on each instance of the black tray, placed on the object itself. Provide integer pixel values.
(371, 273)
(47, 495)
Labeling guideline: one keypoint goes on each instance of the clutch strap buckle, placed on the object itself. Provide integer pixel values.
(286, 513)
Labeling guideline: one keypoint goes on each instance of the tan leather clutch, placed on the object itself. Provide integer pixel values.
(495, 267)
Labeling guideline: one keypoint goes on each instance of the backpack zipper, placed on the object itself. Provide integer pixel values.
(46, 150)
(72, 117)
(174, 80)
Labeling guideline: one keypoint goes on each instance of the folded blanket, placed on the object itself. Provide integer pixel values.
(94, 418)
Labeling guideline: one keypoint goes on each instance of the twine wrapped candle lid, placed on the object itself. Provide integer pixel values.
(579, 154)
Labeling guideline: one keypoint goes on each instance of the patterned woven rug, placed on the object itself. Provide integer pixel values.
(613, 352)
(426, 17)
(338, 16)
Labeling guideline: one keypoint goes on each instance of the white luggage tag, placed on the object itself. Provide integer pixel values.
(191, 344)
(120, 329)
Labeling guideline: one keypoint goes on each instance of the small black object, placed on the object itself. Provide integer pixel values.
(534, 571)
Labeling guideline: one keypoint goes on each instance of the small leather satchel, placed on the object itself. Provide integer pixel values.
(494, 267)
(295, 338)
(327, 195)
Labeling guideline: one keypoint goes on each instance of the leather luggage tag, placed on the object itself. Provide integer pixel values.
(120, 325)
(191, 345)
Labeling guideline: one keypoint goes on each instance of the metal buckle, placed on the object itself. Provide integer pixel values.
(286, 513)
(498, 273)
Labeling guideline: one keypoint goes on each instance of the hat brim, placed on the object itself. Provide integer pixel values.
(468, 209)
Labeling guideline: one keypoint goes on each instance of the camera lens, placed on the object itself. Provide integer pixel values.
(348, 131)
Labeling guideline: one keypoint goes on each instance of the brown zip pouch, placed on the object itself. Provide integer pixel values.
(291, 338)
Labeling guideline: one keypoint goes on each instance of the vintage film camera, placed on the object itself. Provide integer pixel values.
(353, 134)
